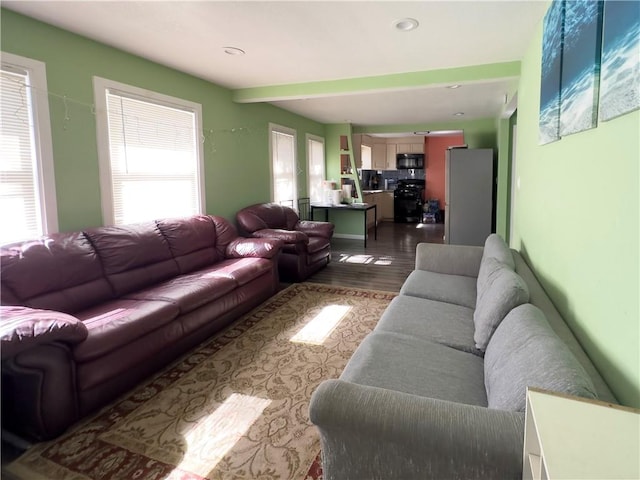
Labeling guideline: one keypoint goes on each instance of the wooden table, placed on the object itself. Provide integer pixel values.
(361, 207)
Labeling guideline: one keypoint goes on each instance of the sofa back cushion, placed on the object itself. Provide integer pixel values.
(134, 256)
(192, 241)
(525, 352)
(495, 247)
(58, 272)
(266, 215)
(504, 290)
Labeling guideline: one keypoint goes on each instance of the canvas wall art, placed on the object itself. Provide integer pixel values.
(620, 65)
(549, 120)
(581, 49)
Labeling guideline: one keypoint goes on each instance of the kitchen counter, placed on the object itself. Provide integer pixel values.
(364, 192)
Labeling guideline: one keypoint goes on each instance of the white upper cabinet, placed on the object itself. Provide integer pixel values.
(392, 150)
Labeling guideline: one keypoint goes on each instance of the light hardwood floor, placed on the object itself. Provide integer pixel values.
(385, 263)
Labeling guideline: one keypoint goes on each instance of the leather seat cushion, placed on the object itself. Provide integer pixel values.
(240, 270)
(116, 323)
(189, 291)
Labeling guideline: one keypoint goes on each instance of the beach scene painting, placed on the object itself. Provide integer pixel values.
(620, 64)
(581, 49)
(551, 69)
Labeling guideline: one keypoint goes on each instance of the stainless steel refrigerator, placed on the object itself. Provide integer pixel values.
(468, 196)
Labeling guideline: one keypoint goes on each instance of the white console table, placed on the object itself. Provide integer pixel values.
(574, 438)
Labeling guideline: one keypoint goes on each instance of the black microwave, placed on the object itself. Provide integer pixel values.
(409, 160)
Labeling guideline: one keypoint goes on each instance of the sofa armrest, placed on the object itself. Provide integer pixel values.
(287, 236)
(22, 328)
(254, 247)
(449, 259)
(370, 432)
(315, 229)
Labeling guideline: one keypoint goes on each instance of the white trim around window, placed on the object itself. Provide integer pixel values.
(36, 97)
(150, 152)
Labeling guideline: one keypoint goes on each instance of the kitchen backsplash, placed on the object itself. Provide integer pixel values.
(387, 179)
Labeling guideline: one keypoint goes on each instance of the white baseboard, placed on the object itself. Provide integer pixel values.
(348, 236)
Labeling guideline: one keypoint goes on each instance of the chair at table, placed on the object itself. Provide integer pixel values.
(307, 246)
(304, 208)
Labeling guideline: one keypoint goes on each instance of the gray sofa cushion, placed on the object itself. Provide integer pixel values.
(456, 289)
(406, 364)
(525, 352)
(439, 322)
(504, 290)
(495, 247)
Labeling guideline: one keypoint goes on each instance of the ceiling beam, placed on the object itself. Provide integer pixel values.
(397, 81)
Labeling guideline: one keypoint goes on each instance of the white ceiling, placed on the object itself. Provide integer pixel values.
(311, 41)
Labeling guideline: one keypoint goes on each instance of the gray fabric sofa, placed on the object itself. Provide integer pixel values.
(438, 389)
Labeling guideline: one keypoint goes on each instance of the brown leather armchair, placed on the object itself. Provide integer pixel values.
(307, 244)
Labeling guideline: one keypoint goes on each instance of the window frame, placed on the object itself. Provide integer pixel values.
(274, 127)
(100, 88)
(43, 143)
(315, 138)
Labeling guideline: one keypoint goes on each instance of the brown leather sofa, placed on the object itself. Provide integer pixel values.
(307, 244)
(87, 315)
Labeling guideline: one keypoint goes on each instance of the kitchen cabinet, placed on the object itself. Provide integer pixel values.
(410, 148)
(392, 150)
(385, 206)
(370, 198)
(379, 156)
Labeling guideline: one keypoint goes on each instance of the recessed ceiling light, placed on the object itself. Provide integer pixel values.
(233, 51)
(406, 24)
(454, 86)
(459, 114)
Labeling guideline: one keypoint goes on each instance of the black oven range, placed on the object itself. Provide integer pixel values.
(408, 199)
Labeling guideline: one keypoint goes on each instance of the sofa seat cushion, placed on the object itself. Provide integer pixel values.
(525, 352)
(405, 364)
(456, 289)
(189, 291)
(439, 322)
(318, 244)
(504, 291)
(116, 323)
(240, 270)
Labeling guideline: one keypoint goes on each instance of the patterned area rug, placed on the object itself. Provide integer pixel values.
(235, 408)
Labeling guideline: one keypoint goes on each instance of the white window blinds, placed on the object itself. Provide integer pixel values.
(283, 165)
(153, 159)
(22, 196)
(315, 152)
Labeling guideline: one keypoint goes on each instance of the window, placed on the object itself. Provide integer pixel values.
(150, 154)
(28, 205)
(315, 169)
(282, 145)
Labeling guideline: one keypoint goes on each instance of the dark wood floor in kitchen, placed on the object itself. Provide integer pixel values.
(385, 263)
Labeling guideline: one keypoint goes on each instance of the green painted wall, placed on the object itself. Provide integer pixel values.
(236, 153)
(502, 177)
(577, 222)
